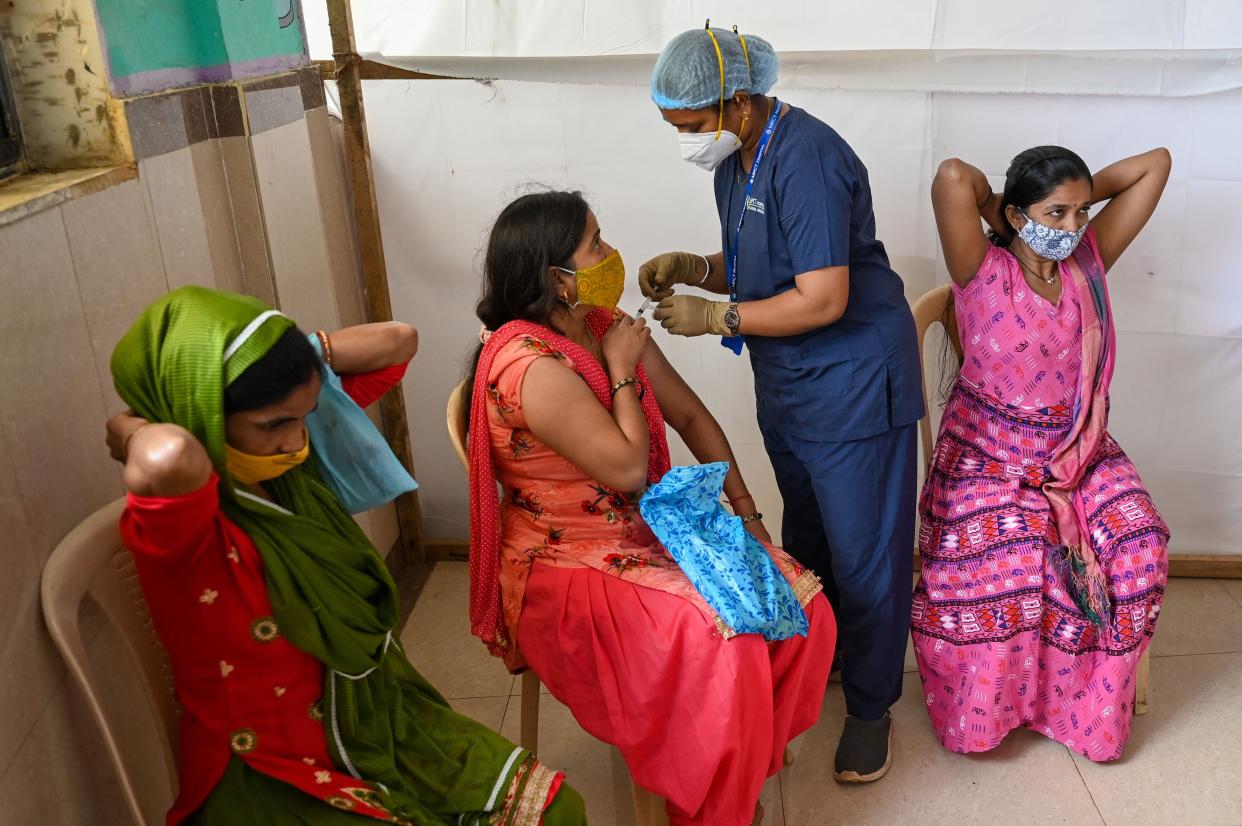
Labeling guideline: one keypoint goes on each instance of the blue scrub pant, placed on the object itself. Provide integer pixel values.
(849, 517)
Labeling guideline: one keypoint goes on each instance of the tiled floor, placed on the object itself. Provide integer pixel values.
(1183, 765)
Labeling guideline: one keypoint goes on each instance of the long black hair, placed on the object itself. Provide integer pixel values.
(1031, 177)
(537, 231)
(287, 366)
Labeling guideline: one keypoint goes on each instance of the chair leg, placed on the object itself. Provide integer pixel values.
(530, 712)
(1142, 679)
(648, 808)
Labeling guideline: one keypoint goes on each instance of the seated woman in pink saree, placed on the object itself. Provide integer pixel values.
(1044, 559)
(569, 403)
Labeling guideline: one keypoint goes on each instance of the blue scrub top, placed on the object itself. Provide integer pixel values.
(811, 208)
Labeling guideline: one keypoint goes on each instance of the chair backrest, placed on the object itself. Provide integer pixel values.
(458, 422)
(91, 561)
(933, 307)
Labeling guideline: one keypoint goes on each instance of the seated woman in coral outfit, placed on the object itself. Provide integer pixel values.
(1044, 559)
(569, 404)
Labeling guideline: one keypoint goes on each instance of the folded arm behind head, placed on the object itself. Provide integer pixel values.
(368, 347)
(159, 459)
(1132, 187)
(960, 196)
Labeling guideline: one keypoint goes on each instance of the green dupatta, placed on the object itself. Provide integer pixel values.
(331, 593)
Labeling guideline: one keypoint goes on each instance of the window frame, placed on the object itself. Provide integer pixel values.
(10, 128)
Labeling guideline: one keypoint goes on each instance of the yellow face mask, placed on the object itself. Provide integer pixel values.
(601, 285)
(250, 470)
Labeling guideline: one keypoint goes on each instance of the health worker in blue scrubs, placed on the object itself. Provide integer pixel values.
(812, 298)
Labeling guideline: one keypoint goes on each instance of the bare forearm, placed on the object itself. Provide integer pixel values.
(990, 212)
(707, 441)
(368, 347)
(627, 411)
(165, 460)
(1116, 178)
(718, 281)
(955, 174)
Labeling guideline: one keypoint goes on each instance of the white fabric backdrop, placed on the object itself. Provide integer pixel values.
(539, 28)
(448, 155)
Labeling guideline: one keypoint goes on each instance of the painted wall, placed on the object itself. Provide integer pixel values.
(56, 65)
(159, 44)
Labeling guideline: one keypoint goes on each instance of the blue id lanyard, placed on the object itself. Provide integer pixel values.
(735, 343)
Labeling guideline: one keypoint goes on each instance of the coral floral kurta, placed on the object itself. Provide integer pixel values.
(617, 632)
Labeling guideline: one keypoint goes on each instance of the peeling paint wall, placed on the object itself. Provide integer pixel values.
(60, 86)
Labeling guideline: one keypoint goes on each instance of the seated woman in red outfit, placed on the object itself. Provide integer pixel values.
(569, 404)
(298, 704)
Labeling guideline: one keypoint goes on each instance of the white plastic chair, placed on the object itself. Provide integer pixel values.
(91, 561)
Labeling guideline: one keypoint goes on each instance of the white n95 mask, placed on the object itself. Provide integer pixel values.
(707, 150)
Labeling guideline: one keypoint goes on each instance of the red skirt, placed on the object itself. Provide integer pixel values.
(700, 720)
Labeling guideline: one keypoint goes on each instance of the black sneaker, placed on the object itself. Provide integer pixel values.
(865, 751)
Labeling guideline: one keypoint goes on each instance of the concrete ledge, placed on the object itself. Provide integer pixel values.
(33, 192)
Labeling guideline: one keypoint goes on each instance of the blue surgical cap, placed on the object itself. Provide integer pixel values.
(687, 73)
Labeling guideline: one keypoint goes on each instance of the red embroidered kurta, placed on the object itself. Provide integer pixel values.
(243, 688)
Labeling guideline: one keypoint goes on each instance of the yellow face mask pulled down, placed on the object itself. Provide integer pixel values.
(601, 285)
(251, 470)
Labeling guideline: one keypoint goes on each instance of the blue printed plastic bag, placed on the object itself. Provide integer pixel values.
(726, 565)
(356, 461)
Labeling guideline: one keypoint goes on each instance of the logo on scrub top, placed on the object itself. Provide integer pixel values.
(755, 205)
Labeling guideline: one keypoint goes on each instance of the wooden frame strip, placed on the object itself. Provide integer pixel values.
(370, 70)
(371, 249)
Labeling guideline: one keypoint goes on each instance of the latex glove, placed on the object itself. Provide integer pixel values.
(657, 277)
(690, 315)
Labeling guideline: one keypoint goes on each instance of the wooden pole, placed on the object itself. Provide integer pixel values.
(371, 248)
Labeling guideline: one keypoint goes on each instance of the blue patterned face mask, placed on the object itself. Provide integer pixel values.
(1049, 242)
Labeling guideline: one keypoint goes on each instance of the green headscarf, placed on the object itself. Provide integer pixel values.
(331, 593)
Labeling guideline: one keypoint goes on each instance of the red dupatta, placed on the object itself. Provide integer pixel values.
(486, 609)
(1075, 556)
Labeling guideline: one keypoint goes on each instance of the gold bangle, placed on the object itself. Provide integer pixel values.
(752, 518)
(619, 386)
(326, 344)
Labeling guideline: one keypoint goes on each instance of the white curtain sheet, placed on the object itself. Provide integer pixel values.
(568, 108)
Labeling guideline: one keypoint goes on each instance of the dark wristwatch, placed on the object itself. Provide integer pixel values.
(731, 319)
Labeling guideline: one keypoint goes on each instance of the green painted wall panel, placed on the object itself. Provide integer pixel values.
(258, 29)
(149, 35)
(158, 44)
